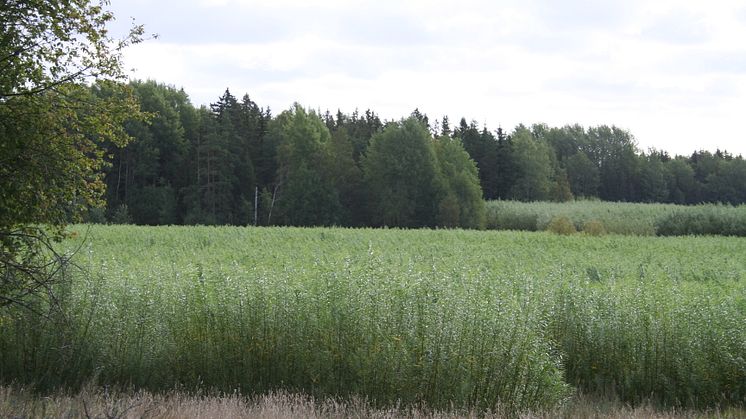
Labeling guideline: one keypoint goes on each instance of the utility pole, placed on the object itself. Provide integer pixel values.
(256, 203)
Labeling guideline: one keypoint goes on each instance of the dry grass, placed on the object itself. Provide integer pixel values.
(100, 403)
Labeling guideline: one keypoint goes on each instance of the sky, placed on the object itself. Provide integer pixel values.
(671, 72)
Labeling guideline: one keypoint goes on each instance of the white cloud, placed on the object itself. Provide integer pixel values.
(672, 72)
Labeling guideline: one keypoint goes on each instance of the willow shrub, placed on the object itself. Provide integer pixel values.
(617, 217)
(676, 344)
(721, 220)
(621, 218)
(594, 228)
(443, 319)
(561, 225)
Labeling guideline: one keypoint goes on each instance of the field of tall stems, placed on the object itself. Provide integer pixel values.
(437, 318)
(620, 217)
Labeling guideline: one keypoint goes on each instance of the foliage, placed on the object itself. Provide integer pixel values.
(402, 176)
(594, 228)
(463, 205)
(582, 175)
(618, 218)
(359, 128)
(704, 220)
(52, 163)
(501, 217)
(205, 166)
(148, 174)
(533, 167)
(45, 45)
(483, 149)
(621, 218)
(210, 165)
(306, 159)
(51, 127)
(561, 225)
(436, 318)
(121, 215)
(561, 191)
(654, 185)
(683, 187)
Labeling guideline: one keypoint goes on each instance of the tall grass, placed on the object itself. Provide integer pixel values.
(620, 218)
(443, 319)
(111, 403)
(704, 220)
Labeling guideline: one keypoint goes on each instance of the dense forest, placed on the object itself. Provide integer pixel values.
(236, 163)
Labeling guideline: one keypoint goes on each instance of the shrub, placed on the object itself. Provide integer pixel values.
(96, 215)
(442, 319)
(594, 228)
(703, 220)
(617, 217)
(622, 217)
(502, 215)
(561, 225)
(121, 215)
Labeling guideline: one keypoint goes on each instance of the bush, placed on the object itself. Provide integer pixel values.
(561, 225)
(442, 319)
(95, 215)
(617, 217)
(704, 220)
(121, 215)
(621, 217)
(594, 228)
(501, 216)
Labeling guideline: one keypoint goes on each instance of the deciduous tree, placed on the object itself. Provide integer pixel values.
(463, 205)
(402, 176)
(51, 128)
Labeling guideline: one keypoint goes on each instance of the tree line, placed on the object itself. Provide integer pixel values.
(236, 163)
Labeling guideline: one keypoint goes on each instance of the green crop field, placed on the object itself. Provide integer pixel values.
(439, 318)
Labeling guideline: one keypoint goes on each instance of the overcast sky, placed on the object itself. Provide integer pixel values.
(673, 73)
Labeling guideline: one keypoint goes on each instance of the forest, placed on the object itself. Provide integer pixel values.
(235, 163)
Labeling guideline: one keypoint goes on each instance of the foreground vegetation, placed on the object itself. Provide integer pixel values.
(598, 217)
(98, 402)
(444, 319)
